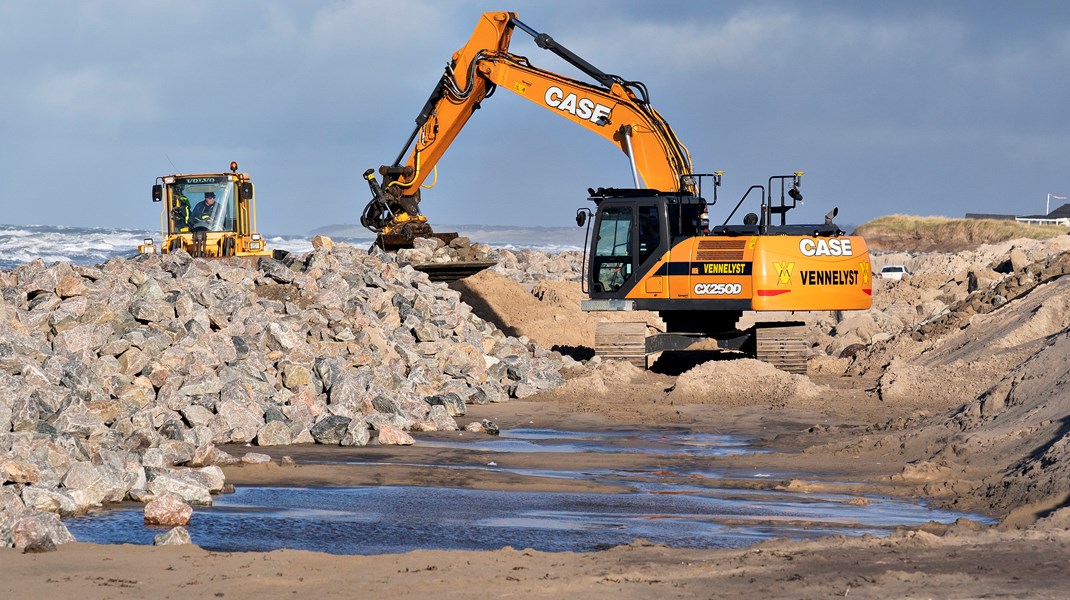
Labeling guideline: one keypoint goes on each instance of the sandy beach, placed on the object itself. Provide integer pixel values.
(964, 409)
(963, 560)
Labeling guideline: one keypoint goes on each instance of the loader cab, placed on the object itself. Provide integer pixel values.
(221, 227)
(189, 196)
(632, 231)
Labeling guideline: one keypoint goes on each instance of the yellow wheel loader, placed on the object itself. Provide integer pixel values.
(209, 215)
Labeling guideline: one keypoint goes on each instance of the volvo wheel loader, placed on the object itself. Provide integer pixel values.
(209, 215)
(653, 247)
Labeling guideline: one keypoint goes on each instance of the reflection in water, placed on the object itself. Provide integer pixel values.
(662, 507)
(549, 440)
(376, 520)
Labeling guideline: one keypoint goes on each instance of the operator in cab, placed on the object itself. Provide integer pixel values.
(203, 213)
(180, 213)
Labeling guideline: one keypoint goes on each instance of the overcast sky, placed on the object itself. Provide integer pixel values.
(911, 107)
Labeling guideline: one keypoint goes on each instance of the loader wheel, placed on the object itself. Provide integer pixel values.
(782, 345)
(621, 341)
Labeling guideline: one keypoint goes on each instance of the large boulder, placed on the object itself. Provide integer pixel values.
(177, 536)
(39, 532)
(168, 509)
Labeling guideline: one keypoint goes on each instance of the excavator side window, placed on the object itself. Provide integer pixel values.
(685, 220)
(613, 248)
(649, 232)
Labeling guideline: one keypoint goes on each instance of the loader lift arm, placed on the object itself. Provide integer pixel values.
(614, 108)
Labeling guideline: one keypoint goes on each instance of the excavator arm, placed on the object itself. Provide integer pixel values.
(614, 108)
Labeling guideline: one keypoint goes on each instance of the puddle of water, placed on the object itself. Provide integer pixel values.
(384, 519)
(548, 440)
(663, 506)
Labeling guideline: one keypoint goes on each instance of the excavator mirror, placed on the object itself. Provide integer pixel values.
(581, 217)
(246, 190)
(157, 193)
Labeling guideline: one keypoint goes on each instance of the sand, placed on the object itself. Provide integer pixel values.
(971, 417)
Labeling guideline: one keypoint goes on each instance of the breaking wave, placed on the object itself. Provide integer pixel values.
(20, 244)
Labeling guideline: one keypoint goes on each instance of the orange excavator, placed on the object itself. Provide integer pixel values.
(653, 246)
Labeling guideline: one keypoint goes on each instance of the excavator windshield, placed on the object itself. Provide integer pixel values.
(202, 204)
(613, 248)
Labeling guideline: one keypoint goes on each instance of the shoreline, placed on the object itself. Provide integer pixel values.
(963, 559)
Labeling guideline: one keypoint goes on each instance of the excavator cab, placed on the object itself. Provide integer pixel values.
(633, 229)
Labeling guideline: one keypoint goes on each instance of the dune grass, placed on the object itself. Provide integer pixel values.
(982, 231)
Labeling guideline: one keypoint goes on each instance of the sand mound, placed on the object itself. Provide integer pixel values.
(1020, 426)
(547, 312)
(922, 386)
(604, 379)
(743, 382)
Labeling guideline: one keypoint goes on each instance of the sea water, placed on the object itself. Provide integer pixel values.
(93, 245)
(20, 244)
(684, 509)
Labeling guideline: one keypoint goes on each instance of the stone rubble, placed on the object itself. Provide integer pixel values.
(177, 536)
(525, 266)
(121, 381)
(529, 266)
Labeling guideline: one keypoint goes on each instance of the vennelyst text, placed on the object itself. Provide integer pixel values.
(829, 277)
(583, 108)
(721, 268)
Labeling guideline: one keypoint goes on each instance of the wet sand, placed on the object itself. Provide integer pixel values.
(962, 560)
(413, 465)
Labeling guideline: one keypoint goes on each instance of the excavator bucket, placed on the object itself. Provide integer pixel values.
(452, 271)
(404, 238)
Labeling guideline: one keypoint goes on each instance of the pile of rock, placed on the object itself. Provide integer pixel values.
(1021, 277)
(121, 381)
(531, 266)
(524, 266)
(942, 293)
(434, 250)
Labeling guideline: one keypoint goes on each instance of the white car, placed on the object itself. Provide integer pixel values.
(893, 272)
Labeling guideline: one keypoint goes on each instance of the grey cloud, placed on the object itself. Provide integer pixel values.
(889, 107)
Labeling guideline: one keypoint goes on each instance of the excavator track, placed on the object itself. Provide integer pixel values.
(782, 345)
(621, 341)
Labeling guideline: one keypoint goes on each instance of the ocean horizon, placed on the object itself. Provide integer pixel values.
(20, 244)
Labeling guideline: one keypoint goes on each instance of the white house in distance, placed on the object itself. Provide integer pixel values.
(1059, 216)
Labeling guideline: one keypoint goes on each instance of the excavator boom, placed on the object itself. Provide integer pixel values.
(612, 107)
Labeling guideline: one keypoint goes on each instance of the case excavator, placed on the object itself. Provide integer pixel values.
(652, 247)
(209, 215)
